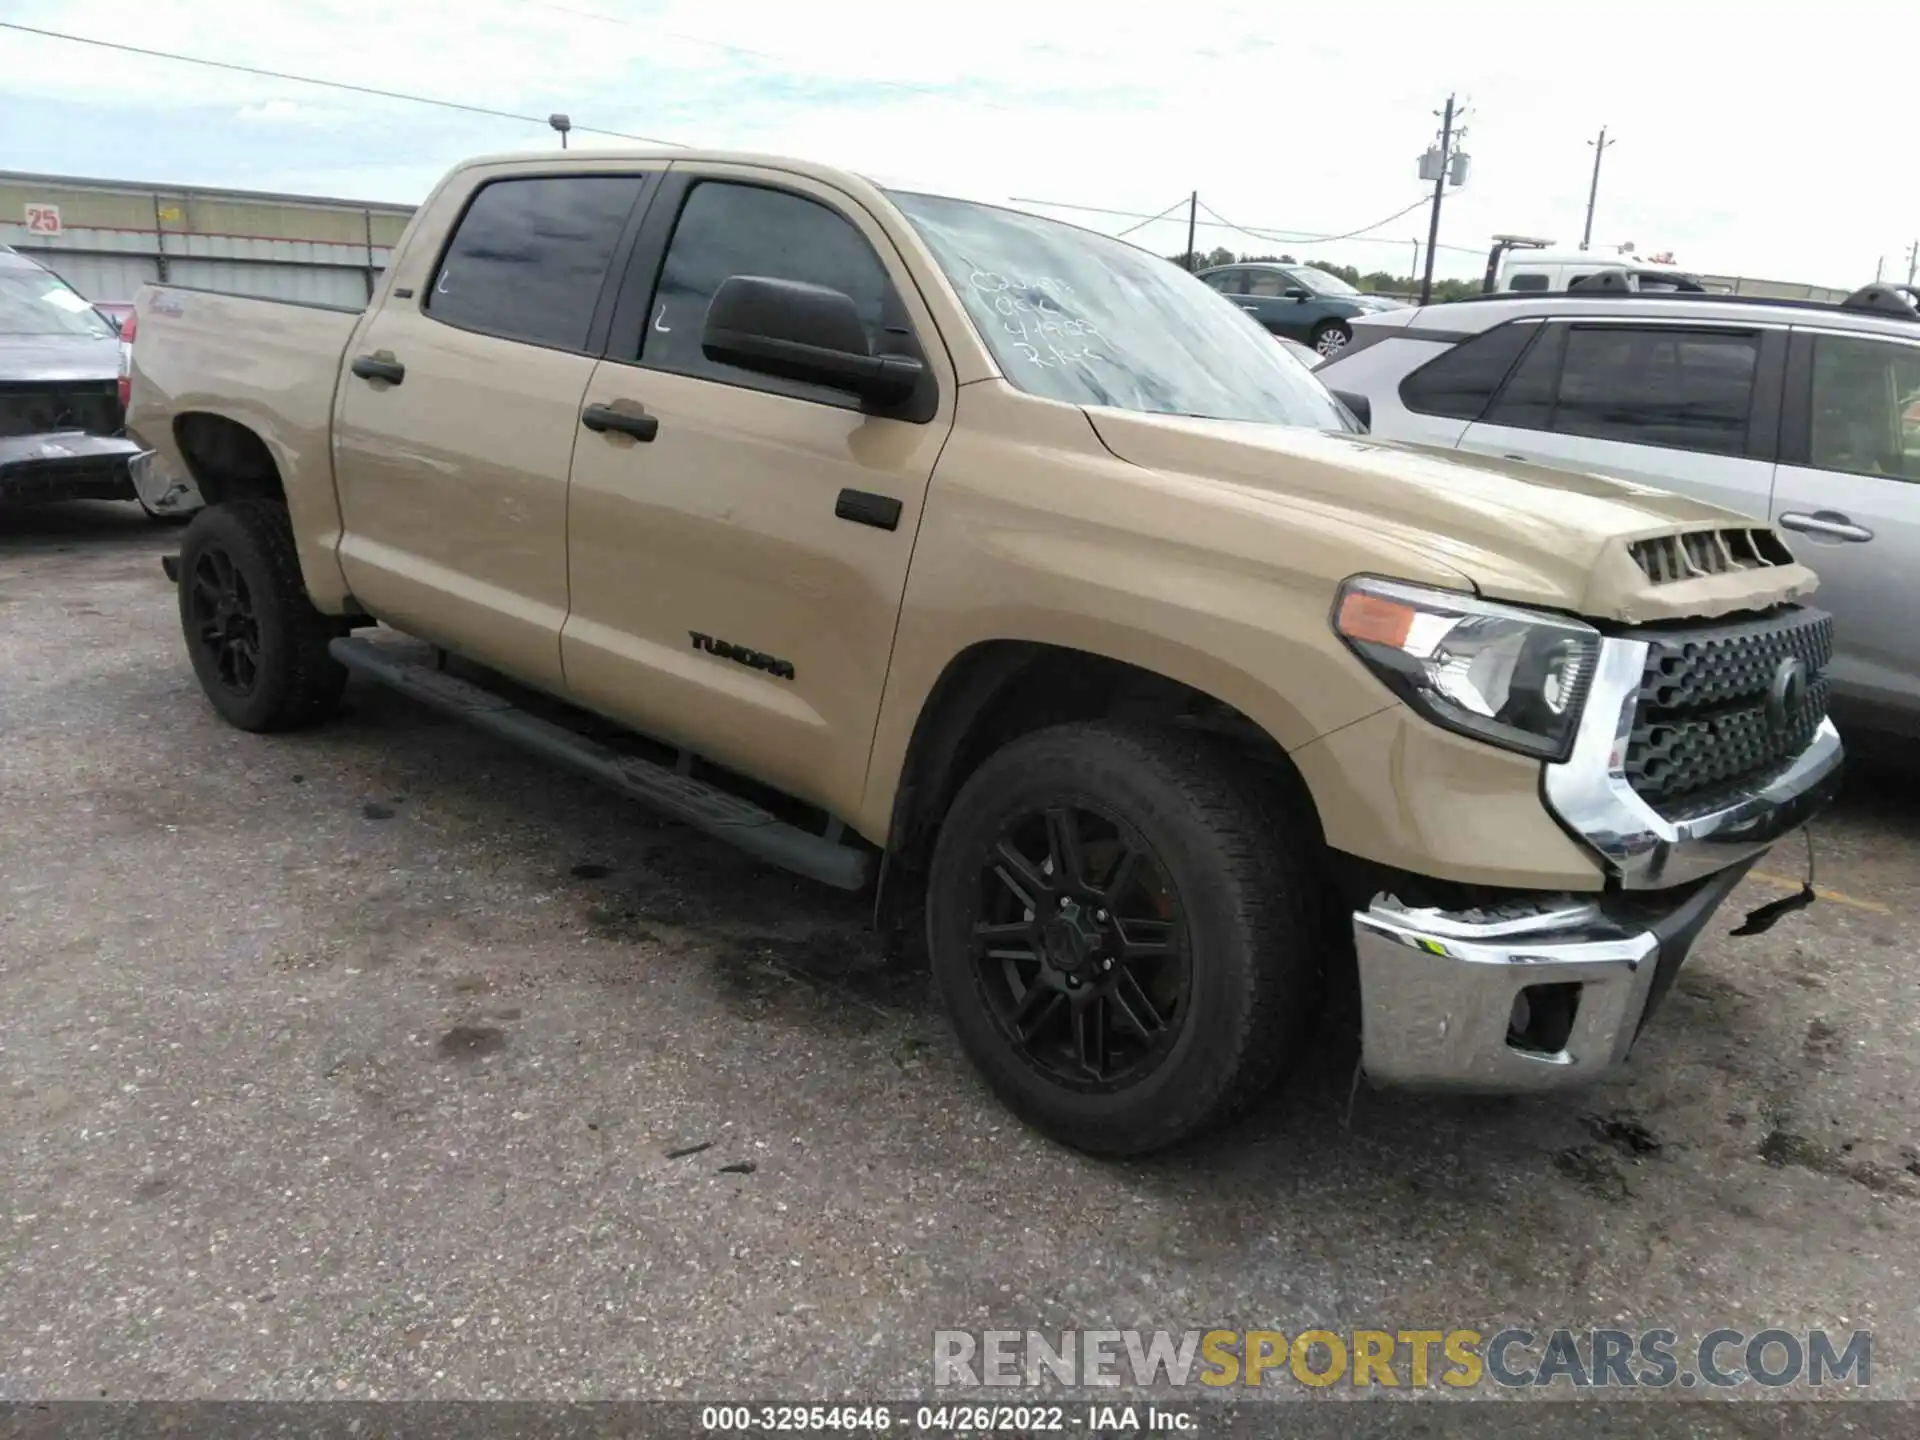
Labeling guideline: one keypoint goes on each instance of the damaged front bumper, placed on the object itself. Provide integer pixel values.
(1539, 991)
(1536, 993)
(68, 465)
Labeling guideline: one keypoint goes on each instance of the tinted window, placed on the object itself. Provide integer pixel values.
(1681, 389)
(1459, 382)
(1527, 282)
(1865, 412)
(1090, 320)
(1227, 282)
(726, 230)
(529, 257)
(1527, 399)
(1270, 283)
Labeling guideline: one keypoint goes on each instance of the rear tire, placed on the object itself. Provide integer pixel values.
(1225, 890)
(257, 644)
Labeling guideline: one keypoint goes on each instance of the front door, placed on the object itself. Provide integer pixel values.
(738, 566)
(1847, 495)
(455, 420)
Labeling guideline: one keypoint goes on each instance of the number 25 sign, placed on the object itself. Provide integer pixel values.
(43, 219)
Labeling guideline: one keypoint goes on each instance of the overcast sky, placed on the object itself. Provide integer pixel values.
(1744, 144)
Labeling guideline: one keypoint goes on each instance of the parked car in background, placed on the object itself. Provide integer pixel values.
(1298, 302)
(62, 401)
(1797, 412)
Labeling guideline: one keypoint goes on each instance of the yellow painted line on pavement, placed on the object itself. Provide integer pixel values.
(1781, 882)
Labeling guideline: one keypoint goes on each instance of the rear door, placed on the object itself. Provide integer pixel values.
(454, 425)
(1847, 493)
(1687, 406)
(737, 572)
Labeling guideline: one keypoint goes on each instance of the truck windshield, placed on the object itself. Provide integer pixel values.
(32, 302)
(1075, 316)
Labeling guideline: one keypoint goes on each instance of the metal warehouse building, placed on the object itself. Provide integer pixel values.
(107, 238)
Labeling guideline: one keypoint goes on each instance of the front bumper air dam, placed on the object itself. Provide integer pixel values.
(1438, 988)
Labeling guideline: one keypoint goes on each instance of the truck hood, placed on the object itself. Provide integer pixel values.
(59, 357)
(1559, 539)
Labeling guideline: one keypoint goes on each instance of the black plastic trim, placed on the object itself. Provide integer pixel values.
(1763, 414)
(1796, 406)
(863, 507)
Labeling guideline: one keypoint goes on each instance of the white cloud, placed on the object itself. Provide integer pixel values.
(1304, 121)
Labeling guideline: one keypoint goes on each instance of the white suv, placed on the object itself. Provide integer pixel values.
(1797, 412)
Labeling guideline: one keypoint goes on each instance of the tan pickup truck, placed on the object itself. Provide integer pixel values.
(1003, 568)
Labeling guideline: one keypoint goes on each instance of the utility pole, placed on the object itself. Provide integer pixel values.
(1593, 190)
(1439, 192)
(1193, 217)
(1879, 269)
(1913, 260)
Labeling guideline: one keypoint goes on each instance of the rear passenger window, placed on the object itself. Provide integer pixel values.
(729, 229)
(529, 257)
(1527, 282)
(1459, 382)
(1679, 389)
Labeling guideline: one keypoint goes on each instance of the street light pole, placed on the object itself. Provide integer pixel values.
(1593, 190)
(1439, 192)
(563, 125)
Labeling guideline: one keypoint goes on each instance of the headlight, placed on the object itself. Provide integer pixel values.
(1511, 677)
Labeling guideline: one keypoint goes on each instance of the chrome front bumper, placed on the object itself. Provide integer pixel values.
(1538, 993)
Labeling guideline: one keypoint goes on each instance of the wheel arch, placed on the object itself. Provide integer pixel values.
(234, 458)
(993, 692)
(227, 459)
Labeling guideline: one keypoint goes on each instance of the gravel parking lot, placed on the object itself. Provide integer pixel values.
(382, 1061)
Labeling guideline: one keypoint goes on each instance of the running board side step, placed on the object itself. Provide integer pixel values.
(705, 807)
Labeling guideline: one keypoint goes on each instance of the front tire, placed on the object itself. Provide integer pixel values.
(1330, 337)
(257, 644)
(1123, 940)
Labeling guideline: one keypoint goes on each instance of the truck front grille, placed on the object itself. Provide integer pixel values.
(42, 408)
(1718, 710)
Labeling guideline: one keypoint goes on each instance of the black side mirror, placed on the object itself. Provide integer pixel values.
(1294, 292)
(802, 332)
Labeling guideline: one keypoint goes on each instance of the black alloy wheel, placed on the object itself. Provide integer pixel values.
(222, 620)
(1081, 947)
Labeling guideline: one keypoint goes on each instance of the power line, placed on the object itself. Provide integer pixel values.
(539, 120)
(1222, 225)
(1122, 234)
(1297, 239)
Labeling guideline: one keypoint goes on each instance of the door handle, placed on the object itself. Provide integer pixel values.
(1830, 523)
(1254, 308)
(602, 418)
(379, 366)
